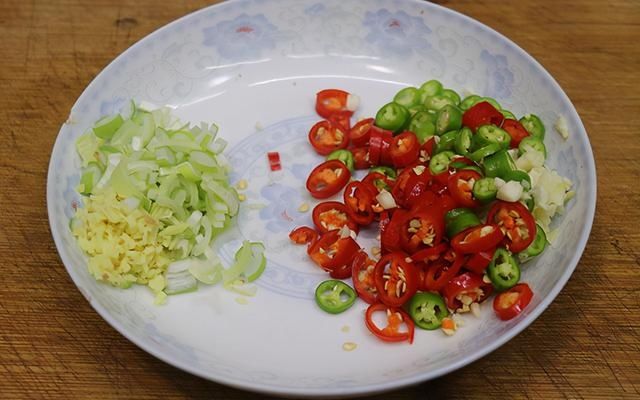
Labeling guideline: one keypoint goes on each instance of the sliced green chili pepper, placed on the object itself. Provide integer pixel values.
(469, 101)
(503, 270)
(427, 310)
(386, 171)
(408, 97)
(485, 190)
(488, 134)
(518, 176)
(446, 142)
(462, 165)
(533, 125)
(343, 155)
(440, 162)
(449, 118)
(464, 141)
(392, 116)
(431, 88)
(413, 110)
(438, 101)
(423, 125)
(458, 220)
(334, 296)
(508, 114)
(452, 95)
(530, 203)
(484, 152)
(532, 142)
(499, 164)
(536, 247)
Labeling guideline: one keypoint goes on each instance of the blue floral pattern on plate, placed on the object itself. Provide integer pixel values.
(242, 38)
(397, 32)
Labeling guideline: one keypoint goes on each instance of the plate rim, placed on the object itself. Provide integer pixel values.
(359, 390)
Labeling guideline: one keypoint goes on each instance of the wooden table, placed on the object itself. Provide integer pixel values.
(54, 345)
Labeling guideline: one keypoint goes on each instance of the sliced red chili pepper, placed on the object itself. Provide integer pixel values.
(274, 160)
(326, 137)
(511, 303)
(479, 262)
(460, 186)
(426, 151)
(396, 279)
(404, 150)
(342, 119)
(430, 254)
(422, 229)
(390, 235)
(517, 223)
(303, 235)
(465, 289)
(515, 130)
(362, 268)
(327, 179)
(477, 238)
(361, 157)
(330, 215)
(396, 317)
(379, 144)
(359, 202)
(331, 251)
(330, 101)
(378, 181)
(441, 271)
(361, 132)
(480, 114)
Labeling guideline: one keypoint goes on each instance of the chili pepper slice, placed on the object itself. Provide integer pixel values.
(379, 144)
(516, 222)
(331, 215)
(396, 279)
(532, 143)
(331, 251)
(515, 130)
(396, 317)
(485, 190)
(342, 119)
(476, 239)
(326, 137)
(479, 262)
(479, 155)
(499, 164)
(447, 142)
(390, 227)
(503, 270)
(431, 88)
(387, 171)
(330, 101)
(437, 102)
(408, 97)
(422, 123)
(464, 141)
(362, 268)
(442, 271)
(449, 118)
(451, 95)
(327, 179)
(421, 229)
(465, 289)
(427, 310)
(361, 157)
(404, 150)
(482, 113)
(440, 162)
(536, 247)
(459, 219)
(491, 134)
(343, 155)
(510, 303)
(361, 132)
(359, 201)
(392, 116)
(274, 160)
(335, 296)
(469, 101)
(533, 124)
(430, 254)
(303, 235)
(460, 186)
(377, 181)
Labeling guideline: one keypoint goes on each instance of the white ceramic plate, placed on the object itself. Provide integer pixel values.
(253, 67)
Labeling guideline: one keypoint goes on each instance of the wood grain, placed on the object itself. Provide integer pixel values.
(53, 345)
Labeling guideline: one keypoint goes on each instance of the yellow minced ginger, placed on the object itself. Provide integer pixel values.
(123, 243)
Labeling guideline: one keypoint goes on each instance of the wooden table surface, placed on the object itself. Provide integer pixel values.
(54, 345)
